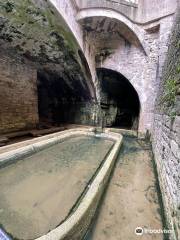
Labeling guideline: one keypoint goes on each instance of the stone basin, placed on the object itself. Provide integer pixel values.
(40, 190)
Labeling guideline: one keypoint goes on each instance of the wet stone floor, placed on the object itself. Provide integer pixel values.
(37, 193)
(131, 198)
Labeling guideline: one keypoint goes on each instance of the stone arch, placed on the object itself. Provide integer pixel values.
(66, 11)
(139, 88)
(119, 99)
(137, 32)
(128, 75)
(87, 70)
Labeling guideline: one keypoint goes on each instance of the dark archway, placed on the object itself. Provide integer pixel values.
(62, 98)
(119, 95)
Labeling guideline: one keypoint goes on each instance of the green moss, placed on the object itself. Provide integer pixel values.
(178, 44)
(169, 96)
(60, 27)
(178, 69)
(37, 31)
(173, 115)
(8, 6)
(38, 23)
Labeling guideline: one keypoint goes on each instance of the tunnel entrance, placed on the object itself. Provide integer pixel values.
(62, 98)
(119, 100)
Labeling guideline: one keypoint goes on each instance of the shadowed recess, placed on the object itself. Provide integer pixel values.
(119, 95)
(59, 94)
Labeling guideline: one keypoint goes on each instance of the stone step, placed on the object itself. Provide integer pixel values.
(37, 133)
(3, 141)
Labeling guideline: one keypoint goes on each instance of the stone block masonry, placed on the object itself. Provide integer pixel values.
(18, 95)
(166, 144)
(166, 133)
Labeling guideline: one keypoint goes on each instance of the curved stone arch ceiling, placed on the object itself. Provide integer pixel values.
(107, 28)
(128, 29)
(63, 86)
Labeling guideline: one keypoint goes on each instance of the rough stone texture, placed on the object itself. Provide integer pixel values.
(145, 72)
(135, 29)
(166, 146)
(43, 37)
(166, 132)
(127, 8)
(142, 79)
(121, 51)
(136, 51)
(36, 34)
(18, 94)
(140, 11)
(39, 34)
(155, 9)
(119, 100)
(86, 113)
(68, 10)
(99, 16)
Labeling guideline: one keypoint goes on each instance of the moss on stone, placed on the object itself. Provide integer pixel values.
(178, 69)
(8, 6)
(33, 25)
(34, 30)
(169, 93)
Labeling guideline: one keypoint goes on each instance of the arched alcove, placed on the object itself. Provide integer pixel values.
(61, 98)
(119, 98)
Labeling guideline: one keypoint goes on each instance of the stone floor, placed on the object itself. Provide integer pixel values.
(131, 199)
(38, 192)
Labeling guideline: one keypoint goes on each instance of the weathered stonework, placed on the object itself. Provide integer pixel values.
(44, 38)
(166, 146)
(53, 48)
(18, 94)
(39, 38)
(138, 11)
(136, 52)
(166, 132)
(69, 10)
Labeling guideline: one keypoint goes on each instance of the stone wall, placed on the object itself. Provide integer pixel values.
(140, 61)
(18, 95)
(129, 59)
(85, 113)
(34, 38)
(68, 9)
(127, 8)
(140, 11)
(155, 9)
(166, 132)
(39, 33)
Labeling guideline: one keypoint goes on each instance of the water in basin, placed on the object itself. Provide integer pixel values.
(38, 192)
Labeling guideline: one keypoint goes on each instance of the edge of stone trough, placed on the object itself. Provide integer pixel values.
(76, 225)
(36, 140)
(19, 150)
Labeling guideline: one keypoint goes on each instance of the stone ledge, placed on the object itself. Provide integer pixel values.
(36, 140)
(76, 225)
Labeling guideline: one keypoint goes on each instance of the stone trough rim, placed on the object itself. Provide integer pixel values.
(89, 202)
